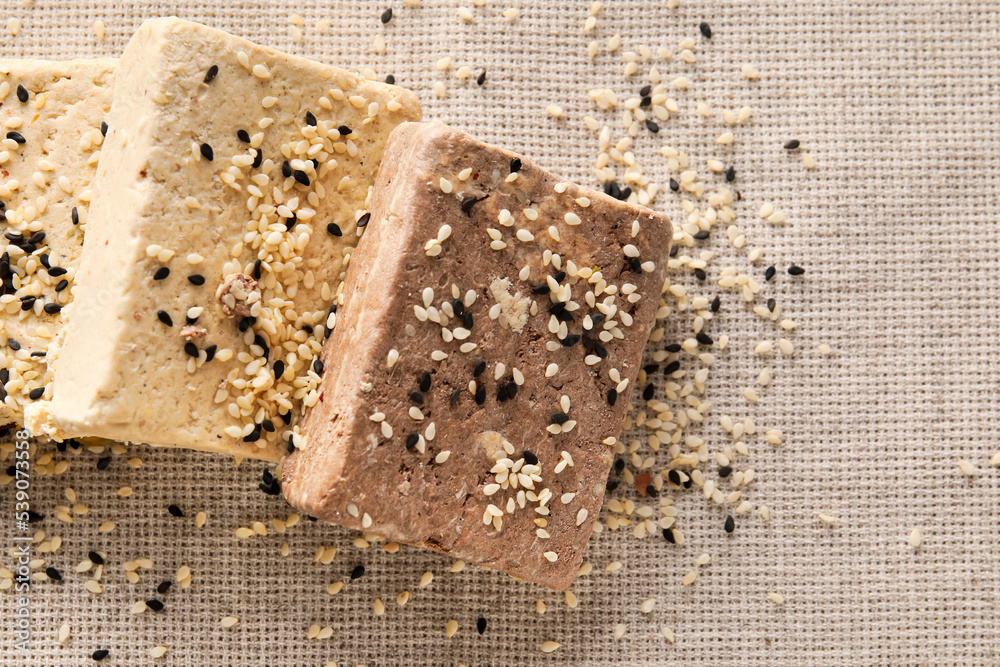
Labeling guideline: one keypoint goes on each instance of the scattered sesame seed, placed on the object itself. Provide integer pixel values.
(776, 598)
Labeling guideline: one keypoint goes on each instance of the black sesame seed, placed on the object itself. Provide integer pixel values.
(16, 136)
(560, 418)
(268, 425)
(74, 215)
(668, 535)
(612, 190)
(481, 625)
(478, 370)
(467, 204)
(301, 177)
(651, 126)
(619, 466)
(530, 458)
(648, 391)
(706, 30)
(635, 265)
(243, 136)
(541, 289)
(651, 368)
(625, 193)
(207, 152)
(164, 317)
(730, 175)
(36, 393)
(57, 271)
(480, 395)
(645, 101)
(175, 511)
(795, 270)
(22, 93)
(651, 491)
(417, 397)
(334, 229)
(412, 440)
(212, 72)
(730, 525)
(95, 558)
(792, 145)
(701, 234)
(559, 277)
(673, 250)
(191, 349)
(468, 320)
(290, 447)
(196, 279)
(102, 464)
(286, 417)
(344, 130)
(386, 16)
(515, 165)
(310, 119)
(769, 272)
(318, 367)
(155, 605)
(716, 304)
(725, 471)
(502, 394)
(612, 396)
(256, 269)
(163, 587)
(358, 572)
(286, 169)
(481, 79)
(611, 485)
(364, 219)
(161, 273)
(425, 381)
(36, 238)
(35, 517)
(703, 338)
(457, 394)
(674, 185)
(254, 435)
(52, 308)
(771, 303)
(645, 90)
(571, 340)
(13, 344)
(53, 574)
(390, 79)
(674, 477)
(100, 654)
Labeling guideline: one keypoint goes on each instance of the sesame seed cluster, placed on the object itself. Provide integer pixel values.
(52, 134)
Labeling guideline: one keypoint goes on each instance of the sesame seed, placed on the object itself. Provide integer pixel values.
(212, 72)
(386, 16)
(776, 598)
(730, 525)
(100, 654)
(207, 152)
(358, 572)
(706, 30)
(795, 270)
(175, 511)
(792, 144)
(967, 468)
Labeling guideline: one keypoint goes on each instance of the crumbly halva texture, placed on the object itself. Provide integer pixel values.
(493, 316)
(233, 189)
(52, 115)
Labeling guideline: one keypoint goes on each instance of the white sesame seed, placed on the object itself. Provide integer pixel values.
(551, 556)
(826, 518)
(689, 578)
(647, 605)
(916, 538)
(749, 71)
(776, 598)
(549, 646)
(450, 628)
(967, 468)
(261, 71)
(572, 218)
(442, 456)
(446, 186)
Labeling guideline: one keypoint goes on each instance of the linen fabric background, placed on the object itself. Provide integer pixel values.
(897, 228)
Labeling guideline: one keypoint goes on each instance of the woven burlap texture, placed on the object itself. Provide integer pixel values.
(897, 228)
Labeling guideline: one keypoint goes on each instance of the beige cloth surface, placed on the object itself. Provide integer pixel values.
(897, 228)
